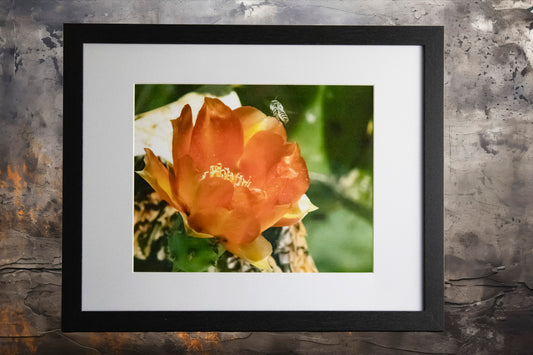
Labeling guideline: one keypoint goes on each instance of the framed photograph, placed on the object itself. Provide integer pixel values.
(252, 178)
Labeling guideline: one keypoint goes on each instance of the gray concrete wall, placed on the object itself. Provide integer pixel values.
(488, 173)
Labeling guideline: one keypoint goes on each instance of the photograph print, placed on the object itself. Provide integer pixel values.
(253, 178)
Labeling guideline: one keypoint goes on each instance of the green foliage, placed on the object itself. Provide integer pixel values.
(308, 131)
(152, 96)
(347, 112)
(339, 240)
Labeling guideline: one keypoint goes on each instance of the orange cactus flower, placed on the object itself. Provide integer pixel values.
(234, 175)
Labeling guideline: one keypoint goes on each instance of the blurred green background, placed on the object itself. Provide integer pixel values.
(334, 127)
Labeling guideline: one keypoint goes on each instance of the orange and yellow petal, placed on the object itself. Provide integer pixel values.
(257, 202)
(187, 178)
(289, 179)
(217, 136)
(236, 227)
(254, 121)
(160, 178)
(296, 212)
(190, 231)
(262, 152)
(255, 252)
(182, 131)
(212, 192)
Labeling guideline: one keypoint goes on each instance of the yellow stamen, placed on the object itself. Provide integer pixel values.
(235, 178)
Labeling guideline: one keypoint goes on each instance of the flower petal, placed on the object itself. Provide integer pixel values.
(247, 199)
(254, 121)
(160, 178)
(182, 131)
(190, 231)
(217, 136)
(255, 252)
(296, 212)
(187, 178)
(234, 227)
(212, 192)
(289, 180)
(262, 152)
(269, 215)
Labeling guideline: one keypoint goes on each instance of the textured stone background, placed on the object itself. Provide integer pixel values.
(488, 173)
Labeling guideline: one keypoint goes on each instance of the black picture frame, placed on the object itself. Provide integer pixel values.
(431, 318)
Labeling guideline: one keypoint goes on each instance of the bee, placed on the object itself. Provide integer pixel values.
(277, 110)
